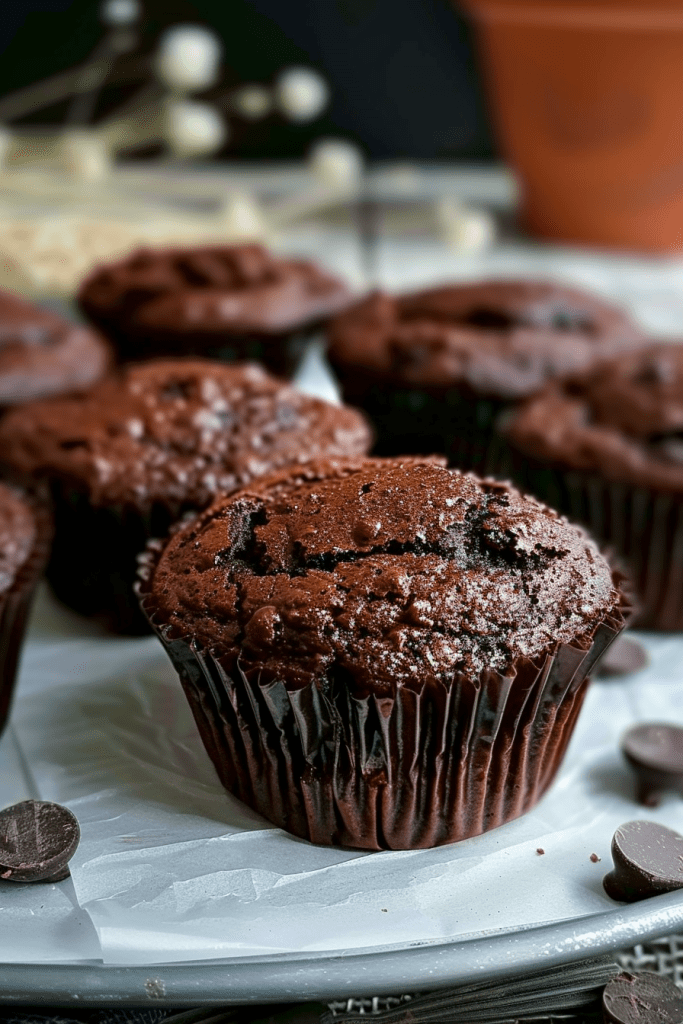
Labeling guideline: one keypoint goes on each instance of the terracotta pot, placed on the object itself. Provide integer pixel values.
(587, 99)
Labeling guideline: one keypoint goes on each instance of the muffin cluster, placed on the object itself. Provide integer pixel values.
(148, 443)
(381, 652)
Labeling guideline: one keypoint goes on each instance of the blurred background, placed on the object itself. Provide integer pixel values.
(480, 128)
(402, 73)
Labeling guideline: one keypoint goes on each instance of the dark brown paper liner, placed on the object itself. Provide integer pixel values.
(424, 767)
(643, 526)
(93, 564)
(15, 603)
(280, 353)
(410, 421)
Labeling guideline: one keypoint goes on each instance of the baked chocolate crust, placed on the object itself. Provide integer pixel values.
(43, 354)
(189, 299)
(175, 432)
(383, 572)
(493, 339)
(624, 419)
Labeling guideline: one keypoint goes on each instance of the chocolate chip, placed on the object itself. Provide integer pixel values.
(648, 860)
(540, 851)
(643, 998)
(594, 859)
(655, 752)
(623, 657)
(37, 841)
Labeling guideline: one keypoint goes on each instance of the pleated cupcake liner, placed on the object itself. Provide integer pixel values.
(644, 528)
(15, 603)
(93, 564)
(281, 354)
(410, 421)
(420, 768)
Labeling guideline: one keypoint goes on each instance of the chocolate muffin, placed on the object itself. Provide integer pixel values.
(149, 443)
(433, 369)
(382, 653)
(607, 448)
(25, 534)
(43, 354)
(228, 302)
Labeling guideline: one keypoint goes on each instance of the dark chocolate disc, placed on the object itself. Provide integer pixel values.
(648, 860)
(37, 841)
(643, 998)
(622, 658)
(655, 752)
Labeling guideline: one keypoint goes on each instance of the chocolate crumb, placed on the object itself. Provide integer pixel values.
(595, 859)
(540, 851)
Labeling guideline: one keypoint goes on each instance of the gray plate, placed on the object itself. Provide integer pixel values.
(326, 977)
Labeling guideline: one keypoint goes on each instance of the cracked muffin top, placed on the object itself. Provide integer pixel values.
(176, 430)
(44, 354)
(210, 291)
(379, 573)
(497, 339)
(624, 420)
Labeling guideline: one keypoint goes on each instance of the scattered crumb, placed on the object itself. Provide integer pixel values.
(595, 858)
(540, 851)
(384, 910)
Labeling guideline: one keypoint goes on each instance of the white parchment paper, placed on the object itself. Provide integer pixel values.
(171, 868)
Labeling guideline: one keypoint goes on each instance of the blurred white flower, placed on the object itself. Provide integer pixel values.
(119, 12)
(83, 154)
(188, 58)
(253, 101)
(336, 161)
(465, 228)
(193, 129)
(301, 94)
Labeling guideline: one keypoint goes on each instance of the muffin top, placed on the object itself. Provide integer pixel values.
(624, 418)
(176, 431)
(498, 339)
(43, 354)
(17, 534)
(378, 573)
(228, 289)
